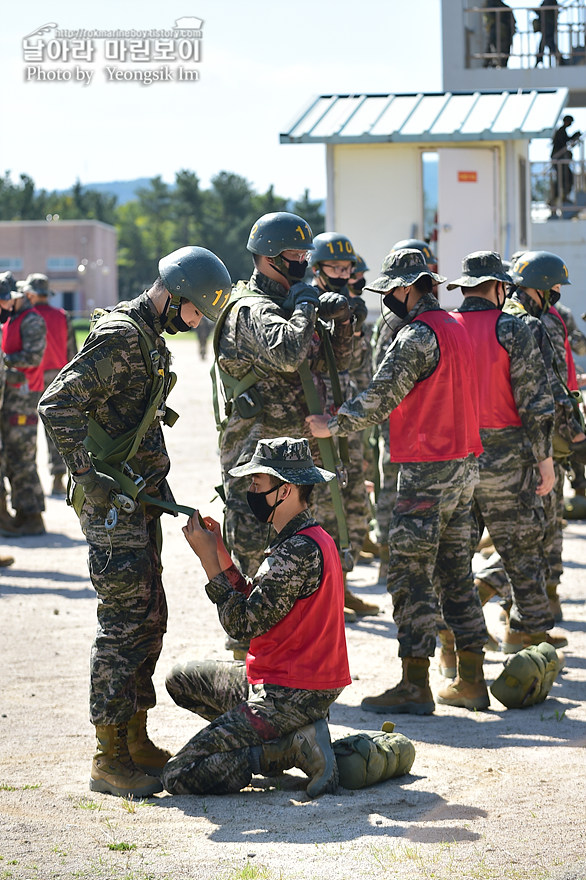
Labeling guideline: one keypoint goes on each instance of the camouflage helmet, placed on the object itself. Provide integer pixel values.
(37, 283)
(277, 232)
(418, 245)
(196, 274)
(331, 247)
(7, 284)
(539, 270)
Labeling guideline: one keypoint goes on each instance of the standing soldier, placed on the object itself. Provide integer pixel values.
(60, 349)
(426, 385)
(7, 285)
(23, 343)
(111, 399)
(516, 423)
(332, 262)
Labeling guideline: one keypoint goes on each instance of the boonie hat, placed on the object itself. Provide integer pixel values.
(402, 268)
(285, 458)
(479, 267)
(37, 283)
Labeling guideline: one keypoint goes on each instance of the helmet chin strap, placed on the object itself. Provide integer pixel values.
(171, 309)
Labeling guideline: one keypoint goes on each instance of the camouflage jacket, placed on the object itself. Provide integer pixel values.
(413, 356)
(529, 383)
(385, 330)
(108, 380)
(576, 337)
(555, 361)
(292, 570)
(33, 334)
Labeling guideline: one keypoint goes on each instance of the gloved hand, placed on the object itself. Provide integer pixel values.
(301, 293)
(359, 312)
(333, 307)
(97, 487)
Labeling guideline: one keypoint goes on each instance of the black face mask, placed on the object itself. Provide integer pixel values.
(176, 324)
(358, 286)
(334, 284)
(399, 308)
(292, 270)
(554, 297)
(4, 315)
(260, 507)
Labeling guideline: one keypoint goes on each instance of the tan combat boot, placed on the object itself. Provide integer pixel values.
(29, 524)
(555, 606)
(514, 640)
(358, 605)
(144, 753)
(411, 696)
(485, 594)
(8, 527)
(309, 749)
(468, 690)
(5, 561)
(447, 656)
(112, 769)
(58, 487)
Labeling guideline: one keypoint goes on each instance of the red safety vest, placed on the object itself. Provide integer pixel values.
(571, 366)
(12, 341)
(438, 419)
(497, 405)
(307, 648)
(55, 355)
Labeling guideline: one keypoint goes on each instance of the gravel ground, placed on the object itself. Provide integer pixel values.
(497, 795)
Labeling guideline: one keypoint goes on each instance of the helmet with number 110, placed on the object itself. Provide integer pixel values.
(539, 270)
(277, 232)
(331, 247)
(196, 274)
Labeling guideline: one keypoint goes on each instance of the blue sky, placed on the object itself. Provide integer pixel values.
(261, 63)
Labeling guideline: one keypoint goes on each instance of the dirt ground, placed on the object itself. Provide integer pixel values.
(497, 795)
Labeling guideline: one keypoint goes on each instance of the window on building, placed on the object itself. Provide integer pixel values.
(10, 264)
(62, 264)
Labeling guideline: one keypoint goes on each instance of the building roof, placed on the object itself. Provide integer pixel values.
(428, 117)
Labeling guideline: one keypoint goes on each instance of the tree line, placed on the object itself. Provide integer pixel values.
(162, 217)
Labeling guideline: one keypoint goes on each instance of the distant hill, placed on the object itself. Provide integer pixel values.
(124, 190)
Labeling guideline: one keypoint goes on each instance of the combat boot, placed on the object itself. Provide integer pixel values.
(555, 606)
(411, 696)
(8, 528)
(112, 769)
(239, 648)
(447, 657)
(58, 487)
(358, 605)
(144, 753)
(468, 690)
(29, 524)
(309, 749)
(514, 640)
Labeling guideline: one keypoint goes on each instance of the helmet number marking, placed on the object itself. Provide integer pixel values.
(301, 232)
(217, 297)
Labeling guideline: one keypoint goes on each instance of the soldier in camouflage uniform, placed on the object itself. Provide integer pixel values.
(332, 262)
(270, 715)
(516, 423)
(269, 330)
(434, 435)
(110, 383)
(24, 338)
(7, 285)
(60, 349)
(539, 275)
(577, 343)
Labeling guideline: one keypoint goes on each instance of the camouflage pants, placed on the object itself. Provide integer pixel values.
(429, 551)
(217, 759)
(493, 571)
(19, 449)
(507, 505)
(56, 463)
(125, 569)
(387, 495)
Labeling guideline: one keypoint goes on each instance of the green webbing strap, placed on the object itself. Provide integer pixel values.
(327, 451)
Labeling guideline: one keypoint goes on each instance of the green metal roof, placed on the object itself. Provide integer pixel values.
(428, 117)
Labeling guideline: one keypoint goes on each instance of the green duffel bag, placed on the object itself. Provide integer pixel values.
(364, 759)
(527, 677)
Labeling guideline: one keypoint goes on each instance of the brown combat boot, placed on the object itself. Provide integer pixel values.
(447, 656)
(144, 753)
(29, 524)
(58, 487)
(8, 527)
(5, 561)
(411, 696)
(309, 749)
(112, 769)
(514, 640)
(555, 606)
(358, 605)
(468, 690)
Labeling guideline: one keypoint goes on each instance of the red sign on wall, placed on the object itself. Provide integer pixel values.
(467, 177)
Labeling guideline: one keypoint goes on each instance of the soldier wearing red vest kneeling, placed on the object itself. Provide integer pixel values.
(267, 715)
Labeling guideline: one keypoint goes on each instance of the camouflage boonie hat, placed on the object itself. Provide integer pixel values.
(18, 290)
(400, 269)
(37, 283)
(285, 458)
(479, 267)
(7, 284)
